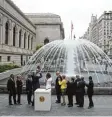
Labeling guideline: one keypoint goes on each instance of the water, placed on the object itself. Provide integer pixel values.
(72, 57)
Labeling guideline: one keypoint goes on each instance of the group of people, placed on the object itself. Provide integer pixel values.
(15, 88)
(73, 86)
(63, 85)
(11, 86)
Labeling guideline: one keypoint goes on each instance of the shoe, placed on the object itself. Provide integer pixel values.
(76, 103)
(79, 106)
(63, 104)
(57, 102)
(10, 104)
(89, 107)
(70, 105)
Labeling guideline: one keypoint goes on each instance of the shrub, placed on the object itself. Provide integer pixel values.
(7, 67)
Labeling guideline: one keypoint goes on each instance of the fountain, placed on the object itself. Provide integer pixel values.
(72, 57)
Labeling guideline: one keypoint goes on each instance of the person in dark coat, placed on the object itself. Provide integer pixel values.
(90, 92)
(19, 88)
(57, 87)
(11, 89)
(77, 90)
(81, 86)
(35, 81)
(70, 92)
(29, 89)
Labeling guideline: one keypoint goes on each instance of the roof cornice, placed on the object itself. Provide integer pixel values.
(19, 11)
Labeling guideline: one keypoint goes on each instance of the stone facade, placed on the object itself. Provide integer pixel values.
(100, 32)
(13, 27)
(48, 27)
(19, 35)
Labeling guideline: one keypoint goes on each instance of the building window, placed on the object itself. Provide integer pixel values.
(20, 38)
(46, 41)
(24, 39)
(14, 36)
(6, 32)
(8, 58)
(28, 41)
(31, 43)
(0, 58)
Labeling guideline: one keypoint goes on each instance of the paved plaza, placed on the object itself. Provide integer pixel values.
(103, 107)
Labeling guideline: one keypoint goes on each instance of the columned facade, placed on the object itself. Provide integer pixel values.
(20, 33)
(16, 31)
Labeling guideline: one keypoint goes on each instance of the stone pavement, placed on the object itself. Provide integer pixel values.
(103, 107)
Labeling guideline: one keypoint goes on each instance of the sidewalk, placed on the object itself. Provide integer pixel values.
(103, 107)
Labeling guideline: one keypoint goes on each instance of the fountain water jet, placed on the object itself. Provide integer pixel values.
(72, 57)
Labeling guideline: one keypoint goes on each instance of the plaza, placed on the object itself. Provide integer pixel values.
(103, 107)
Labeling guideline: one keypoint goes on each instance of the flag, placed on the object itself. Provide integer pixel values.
(72, 27)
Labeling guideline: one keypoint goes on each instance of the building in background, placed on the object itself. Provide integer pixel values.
(48, 27)
(19, 34)
(100, 32)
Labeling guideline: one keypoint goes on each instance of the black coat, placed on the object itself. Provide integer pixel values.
(70, 88)
(57, 86)
(90, 87)
(29, 85)
(19, 86)
(76, 86)
(35, 81)
(11, 86)
(81, 87)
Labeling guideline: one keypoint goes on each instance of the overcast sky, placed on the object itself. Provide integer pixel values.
(79, 11)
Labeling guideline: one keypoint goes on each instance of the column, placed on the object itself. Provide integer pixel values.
(22, 39)
(10, 33)
(26, 41)
(1, 28)
(17, 37)
(30, 43)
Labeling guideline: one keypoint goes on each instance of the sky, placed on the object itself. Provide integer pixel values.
(77, 11)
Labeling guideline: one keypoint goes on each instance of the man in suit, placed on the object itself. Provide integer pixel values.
(29, 89)
(57, 87)
(81, 86)
(35, 80)
(19, 88)
(11, 89)
(70, 92)
(90, 92)
(77, 90)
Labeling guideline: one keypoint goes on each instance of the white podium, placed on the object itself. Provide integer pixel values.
(42, 100)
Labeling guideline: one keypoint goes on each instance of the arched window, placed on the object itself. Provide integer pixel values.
(46, 41)
(20, 38)
(6, 32)
(25, 40)
(28, 41)
(14, 36)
